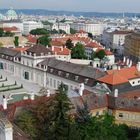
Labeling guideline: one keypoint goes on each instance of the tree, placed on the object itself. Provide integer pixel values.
(39, 31)
(59, 125)
(72, 31)
(8, 33)
(1, 32)
(44, 40)
(93, 55)
(78, 52)
(26, 121)
(101, 128)
(90, 35)
(69, 44)
(62, 31)
(100, 54)
(16, 41)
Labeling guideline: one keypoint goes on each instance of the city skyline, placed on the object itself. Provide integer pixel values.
(78, 5)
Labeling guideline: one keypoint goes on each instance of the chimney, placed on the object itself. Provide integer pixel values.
(119, 67)
(52, 48)
(61, 49)
(32, 96)
(130, 64)
(124, 59)
(4, 103)
(127, 61)
(116, 92)
(81, 88)
(48, 93)
(138, 66)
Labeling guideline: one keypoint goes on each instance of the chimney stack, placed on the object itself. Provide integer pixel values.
(138, 66)
(48, 93)
(124, 59)
(81, 89)
(32, 96)
(116, 92)
(4, 102)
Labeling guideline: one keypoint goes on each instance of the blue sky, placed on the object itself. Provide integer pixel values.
(75, 5)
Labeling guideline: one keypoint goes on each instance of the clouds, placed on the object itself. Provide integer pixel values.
(76, 5)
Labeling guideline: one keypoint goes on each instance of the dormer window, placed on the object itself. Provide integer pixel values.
(2, 56)
(86, 80)
(76, 78)
(59, 72)
(67, 75)
(51, 70)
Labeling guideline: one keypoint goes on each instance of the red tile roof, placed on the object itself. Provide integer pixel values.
(61, 51)
(32, 39)
(93, 45)
(114, 77)
(20, 49)
(10, 28)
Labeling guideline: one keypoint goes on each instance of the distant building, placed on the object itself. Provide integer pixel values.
(11, 14)
(61, 26)
(95, 29)
(114, 39)
(132, 46)
(12, 23)
(30, 25)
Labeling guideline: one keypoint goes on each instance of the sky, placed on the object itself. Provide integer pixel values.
(75, 5)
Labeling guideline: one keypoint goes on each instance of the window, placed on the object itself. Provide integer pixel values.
(86, 80)
(51, 70)
(76, 78)
(120, 115)
(67, 75)
(133, 83)
(59, 72)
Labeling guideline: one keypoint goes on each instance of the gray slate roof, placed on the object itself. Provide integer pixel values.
(82, 70)
(9, 52)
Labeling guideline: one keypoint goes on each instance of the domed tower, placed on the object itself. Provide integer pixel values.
(11, 14)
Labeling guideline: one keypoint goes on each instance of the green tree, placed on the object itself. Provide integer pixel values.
(78, 52)
(39, 31)
(44, 40)
(72, 31)
(26, 122)
(102, 128)
(138, 137)
(59, 125)
(90, 35)
(62, 31)
(93, 55)
(16, 41)
(69, 44)
(1, 32)
(100, 54)
(8, 33)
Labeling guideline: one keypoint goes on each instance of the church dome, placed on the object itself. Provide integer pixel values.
(11, 14)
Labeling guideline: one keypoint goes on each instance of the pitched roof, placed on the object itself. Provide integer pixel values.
(10, 28)
(8, 52)
(120, 76)
(113, 79)
(38, 50)
(82, 70)
(61, 51)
